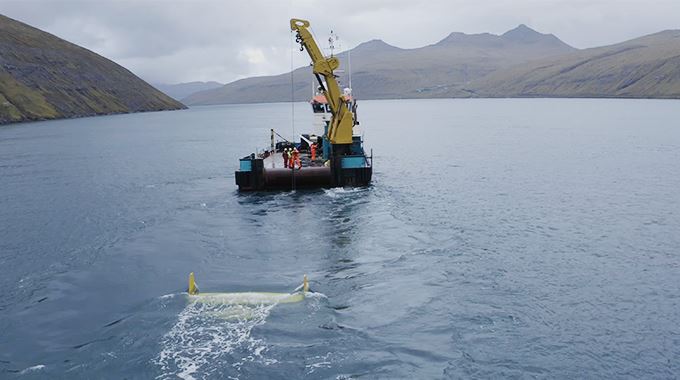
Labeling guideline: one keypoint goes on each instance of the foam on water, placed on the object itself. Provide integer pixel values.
(32, 369)
(337, 192)
(320, 361)
(203, 339)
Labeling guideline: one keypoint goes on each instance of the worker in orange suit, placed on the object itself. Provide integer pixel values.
(295, 159)
(313, 148)
(285, 158)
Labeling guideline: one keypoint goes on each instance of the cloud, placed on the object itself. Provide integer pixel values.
(183, 40)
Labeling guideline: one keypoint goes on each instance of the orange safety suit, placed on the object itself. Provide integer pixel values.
(295, 159)
(313, 148)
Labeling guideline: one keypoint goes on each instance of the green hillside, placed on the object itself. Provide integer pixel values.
(45, 77)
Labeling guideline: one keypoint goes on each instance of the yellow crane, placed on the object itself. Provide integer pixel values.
(345, 160)
(342, 118)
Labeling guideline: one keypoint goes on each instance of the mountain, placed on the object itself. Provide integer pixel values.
(645, 67)
(45, 77)
(179, 91)
(380, 70)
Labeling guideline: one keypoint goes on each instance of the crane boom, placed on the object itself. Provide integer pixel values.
(342, 118)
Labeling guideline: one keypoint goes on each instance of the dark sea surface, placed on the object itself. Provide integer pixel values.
(500, 239)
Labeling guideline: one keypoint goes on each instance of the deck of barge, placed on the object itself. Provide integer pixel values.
(312, 174)
(269, 173)
(275, 161)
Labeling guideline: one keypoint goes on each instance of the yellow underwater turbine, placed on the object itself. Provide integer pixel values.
(246, 298)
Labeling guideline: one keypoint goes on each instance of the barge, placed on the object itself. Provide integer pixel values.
(331, 155)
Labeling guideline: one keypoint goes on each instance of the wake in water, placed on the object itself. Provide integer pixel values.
(209, 335)
(205, 335)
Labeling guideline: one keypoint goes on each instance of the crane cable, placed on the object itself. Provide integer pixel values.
(292, 103)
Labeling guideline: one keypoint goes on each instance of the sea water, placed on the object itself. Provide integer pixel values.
(500, 238)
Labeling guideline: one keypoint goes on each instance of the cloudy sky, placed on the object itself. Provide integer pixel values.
(171, 41)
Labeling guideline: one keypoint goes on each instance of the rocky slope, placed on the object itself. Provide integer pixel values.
(45, 77)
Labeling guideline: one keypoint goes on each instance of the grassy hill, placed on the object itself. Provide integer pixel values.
(380, 70)
(45, 77)
(646, 67)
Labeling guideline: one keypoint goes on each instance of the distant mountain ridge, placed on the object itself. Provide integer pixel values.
(45, 77)
(645, 67)
(178, 91)
(380, 70)
(518, 63)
